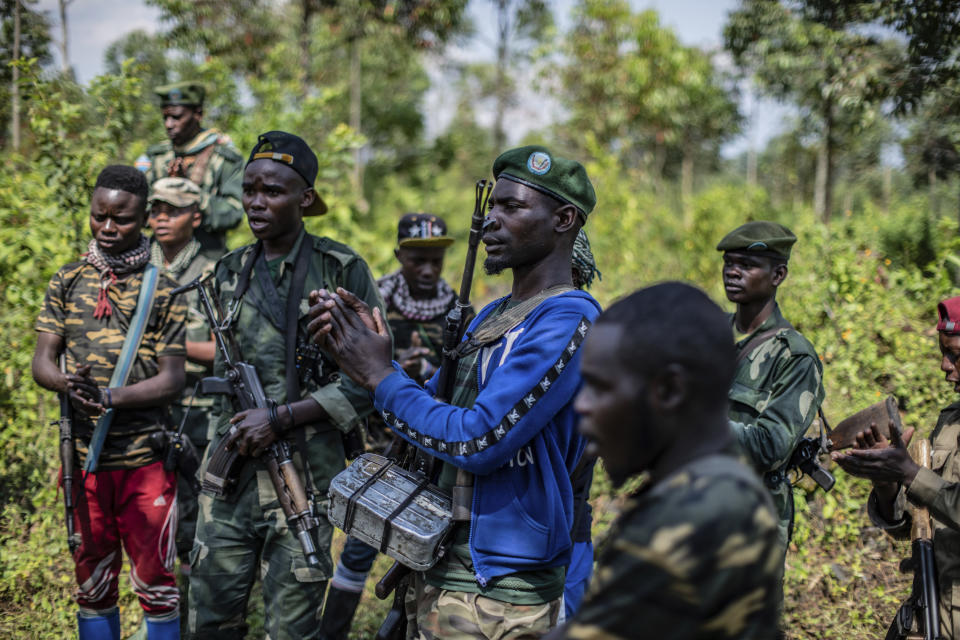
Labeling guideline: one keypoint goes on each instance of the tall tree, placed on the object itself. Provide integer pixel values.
(33, 42)
(635, 91)
(812, 53)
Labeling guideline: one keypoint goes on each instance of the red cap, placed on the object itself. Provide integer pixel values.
(948, 312)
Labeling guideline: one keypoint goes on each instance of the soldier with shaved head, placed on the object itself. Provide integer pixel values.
(694, 552)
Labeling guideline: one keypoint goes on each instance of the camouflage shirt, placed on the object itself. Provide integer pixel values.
(211, 161)
(198, 330)
(694, 556)
(68, 312)
(774, 397)
(263, 345)
(938, 489)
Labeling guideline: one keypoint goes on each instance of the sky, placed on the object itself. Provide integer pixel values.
(95, 24)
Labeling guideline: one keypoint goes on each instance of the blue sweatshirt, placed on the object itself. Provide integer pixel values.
(520, 437)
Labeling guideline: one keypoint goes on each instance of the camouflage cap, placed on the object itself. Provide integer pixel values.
(761, 237)
(536, 167)
(179, 192)
(422, 230)
(188, 94)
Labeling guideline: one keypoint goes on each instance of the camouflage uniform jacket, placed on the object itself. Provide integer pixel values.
(211, 161)
(198, 330)
(938, 489)
(774, 397)
(695, 556)
(262, 345)
(68, 312)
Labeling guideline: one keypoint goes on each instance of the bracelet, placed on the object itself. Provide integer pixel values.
(105, 398)
(293, 422)
(274, 419)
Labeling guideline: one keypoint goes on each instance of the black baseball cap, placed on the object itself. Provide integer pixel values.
(292, 151)
(422, 230)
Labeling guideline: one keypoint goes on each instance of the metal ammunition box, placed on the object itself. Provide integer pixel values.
(373, 499)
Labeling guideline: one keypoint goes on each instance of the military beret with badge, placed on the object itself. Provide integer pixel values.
(562, 178)
(761, 238)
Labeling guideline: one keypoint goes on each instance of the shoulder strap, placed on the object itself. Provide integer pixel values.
(492, 329)
(128, 353)
(760, 338)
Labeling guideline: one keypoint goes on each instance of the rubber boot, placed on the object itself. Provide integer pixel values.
(338, 613)
(166, 630)
(99, 627)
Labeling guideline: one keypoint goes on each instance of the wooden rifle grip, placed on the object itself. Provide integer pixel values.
(922, 527)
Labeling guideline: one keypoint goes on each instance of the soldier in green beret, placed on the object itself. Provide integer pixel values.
(510, 422)
(777, 388)
(207, 157)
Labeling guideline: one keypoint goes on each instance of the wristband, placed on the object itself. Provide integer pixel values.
(105, 399)
(293, 422)
(274, 419)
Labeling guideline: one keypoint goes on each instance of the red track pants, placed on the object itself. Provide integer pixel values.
(138, 508)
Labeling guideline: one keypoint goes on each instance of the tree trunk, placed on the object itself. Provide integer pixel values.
(887, 187)
(356, 97)
(823, 189)
(932, 183)
(15, 82)
(307, 14)
(64, 43)
(686, 185)
(501, 89)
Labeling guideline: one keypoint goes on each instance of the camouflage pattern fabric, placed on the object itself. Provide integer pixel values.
(68, 307)
(937, 488)
(211, 161)
(774, 397)
(241, 541)
(234, 530)
(452, 614)
(694, 556)
(197, 424)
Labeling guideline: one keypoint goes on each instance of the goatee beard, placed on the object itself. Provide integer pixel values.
(493, 267)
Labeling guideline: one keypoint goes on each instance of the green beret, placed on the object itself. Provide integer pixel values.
(188, 94)
(760, 237)
(536, 167)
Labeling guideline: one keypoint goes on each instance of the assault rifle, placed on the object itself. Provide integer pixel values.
(394, 626)
(919, 616)
(67, 452)
(242, 385)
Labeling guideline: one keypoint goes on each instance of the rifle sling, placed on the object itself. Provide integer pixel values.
(492, 329)
(128, 353)
(287, 323)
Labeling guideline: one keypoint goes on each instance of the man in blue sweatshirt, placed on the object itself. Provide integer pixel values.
(510, 421)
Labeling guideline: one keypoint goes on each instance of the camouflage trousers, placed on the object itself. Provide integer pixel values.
(247, 538)
(434, 613)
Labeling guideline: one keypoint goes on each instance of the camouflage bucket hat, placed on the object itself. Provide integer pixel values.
(179, 192)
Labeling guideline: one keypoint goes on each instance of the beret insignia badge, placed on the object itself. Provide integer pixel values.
(538, 163)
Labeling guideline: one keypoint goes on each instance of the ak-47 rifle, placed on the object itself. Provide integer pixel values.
(67, 452)
(242, 385)
(394, 626)
(919, 616)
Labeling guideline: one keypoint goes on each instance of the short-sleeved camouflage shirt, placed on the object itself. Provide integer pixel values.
(68, 312)
(694, 556)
